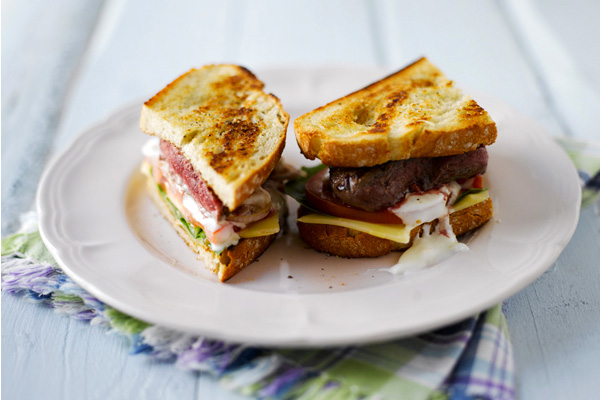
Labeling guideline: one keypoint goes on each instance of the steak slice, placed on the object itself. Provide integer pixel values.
(375, 188)
(196, 185)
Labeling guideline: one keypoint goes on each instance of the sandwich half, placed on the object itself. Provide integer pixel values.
(217, 140)
(406, 157)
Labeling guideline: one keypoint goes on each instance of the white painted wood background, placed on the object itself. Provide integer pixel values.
(67, 64)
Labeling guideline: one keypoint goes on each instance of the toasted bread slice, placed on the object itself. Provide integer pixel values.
(416, 112)
(231, 131)
(345, 242)
(231, 260)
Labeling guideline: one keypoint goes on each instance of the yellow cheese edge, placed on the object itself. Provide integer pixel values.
(396, 232)
(470, 200)
(399, 233)
(264, 227)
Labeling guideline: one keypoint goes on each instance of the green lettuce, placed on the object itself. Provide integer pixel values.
(295, 188)
(468, 192)
(195, 232)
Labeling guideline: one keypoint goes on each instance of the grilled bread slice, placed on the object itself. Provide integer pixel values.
(230, 130)
(416, 112)
(345, 242)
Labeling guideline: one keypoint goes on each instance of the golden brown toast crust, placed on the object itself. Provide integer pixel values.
(225, 265)
(415, 112)
(235, 258)
(350, 243)
(231, 131)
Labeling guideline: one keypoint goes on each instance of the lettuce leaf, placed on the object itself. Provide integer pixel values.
(470, 191)
(195, 232)
(295, 188)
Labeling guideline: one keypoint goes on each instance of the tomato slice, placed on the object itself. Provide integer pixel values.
(321, 198)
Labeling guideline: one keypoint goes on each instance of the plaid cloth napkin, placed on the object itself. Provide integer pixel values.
(469, 360)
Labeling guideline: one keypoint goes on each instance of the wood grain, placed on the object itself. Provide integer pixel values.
(568, 93)
(40, 60)
(555, 322)
(46, 355)
(136, 52)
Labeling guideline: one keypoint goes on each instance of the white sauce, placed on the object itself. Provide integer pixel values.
(419, 208)
(225, 237)
(429, 249)
(194, 208)
(224, 234)
(432, 247)
(151, 148)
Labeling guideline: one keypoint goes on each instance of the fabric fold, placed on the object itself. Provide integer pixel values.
(470, 359)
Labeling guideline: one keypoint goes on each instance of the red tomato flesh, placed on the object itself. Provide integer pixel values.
(321, 198)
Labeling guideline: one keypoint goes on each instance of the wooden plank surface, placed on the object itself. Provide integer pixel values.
(68, 64)
(42, 44)
(135, 51)
(555, 323)
(573, 25)
(298, 33)
(46, 355)
(569, 94)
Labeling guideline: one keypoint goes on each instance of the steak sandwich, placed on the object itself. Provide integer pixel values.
(213, 161)
(405, 158)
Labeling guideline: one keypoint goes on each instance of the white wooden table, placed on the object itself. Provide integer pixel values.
(67, 64)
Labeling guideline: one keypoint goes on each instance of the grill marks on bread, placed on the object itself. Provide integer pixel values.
(229, 133)
(245, 81)
(230, 130)
(472, 110)
(236, 144)
(232, 137)
(416, 112)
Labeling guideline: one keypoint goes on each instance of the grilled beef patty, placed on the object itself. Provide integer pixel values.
(382, 186)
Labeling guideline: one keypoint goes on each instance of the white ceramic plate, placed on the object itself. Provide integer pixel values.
(106, 234)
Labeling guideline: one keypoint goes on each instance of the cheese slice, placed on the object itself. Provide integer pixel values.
(399, 233)
(264, 227)
(395, 232)
(470, 200)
